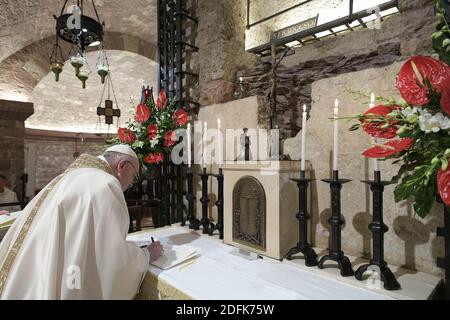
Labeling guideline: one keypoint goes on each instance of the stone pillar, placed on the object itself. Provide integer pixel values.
(12, 140)
(221, 39)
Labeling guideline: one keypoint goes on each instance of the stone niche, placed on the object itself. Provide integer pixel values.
(260, 206)
(411, 241)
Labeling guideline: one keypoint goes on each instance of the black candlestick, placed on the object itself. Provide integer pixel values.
(164, 207)
(219, 203)
(444, 262)
(335, 253)
(378, 229)
(194, 223)
(302, 245)
(205, 200)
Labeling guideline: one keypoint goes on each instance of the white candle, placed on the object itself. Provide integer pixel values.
(304, 115)
(219, 143)
(336, 135)
(372, 100)
(205, 129)
(376, 164)
(189, 144)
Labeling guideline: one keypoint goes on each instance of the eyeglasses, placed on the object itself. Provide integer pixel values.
(136, 175)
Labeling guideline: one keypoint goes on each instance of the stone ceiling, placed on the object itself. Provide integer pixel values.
(25, 22)
(65, 106)
(27, 35)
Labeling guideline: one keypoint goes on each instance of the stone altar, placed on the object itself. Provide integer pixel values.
(277, 207)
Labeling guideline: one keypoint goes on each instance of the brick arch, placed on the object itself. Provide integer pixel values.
(22, 71)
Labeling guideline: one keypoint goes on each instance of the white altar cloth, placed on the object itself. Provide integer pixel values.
(218, 274)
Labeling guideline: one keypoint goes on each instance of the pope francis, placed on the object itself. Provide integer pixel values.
(69, 242)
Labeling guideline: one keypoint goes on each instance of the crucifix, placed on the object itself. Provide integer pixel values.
(108, 112)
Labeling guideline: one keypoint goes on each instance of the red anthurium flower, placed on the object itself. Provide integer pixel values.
(411, 78)
(170, 138)
(142, 113)
(126, 135)
(389, 148)
(161, 102)
(154, 158)
(445, 98)
(443, 184)
(152, 131)
(375, 128)
(180, 117)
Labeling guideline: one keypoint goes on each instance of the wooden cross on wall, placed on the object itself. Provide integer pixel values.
(108, 112)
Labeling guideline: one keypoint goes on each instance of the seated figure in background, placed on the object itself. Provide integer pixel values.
(7, 196)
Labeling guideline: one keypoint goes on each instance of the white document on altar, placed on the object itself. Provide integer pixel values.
(174, 255)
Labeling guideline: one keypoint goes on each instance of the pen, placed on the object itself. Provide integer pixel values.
(153, 240)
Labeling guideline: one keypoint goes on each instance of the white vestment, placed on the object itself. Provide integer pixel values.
(75, 246)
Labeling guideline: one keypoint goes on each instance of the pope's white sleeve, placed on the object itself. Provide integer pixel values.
(122, 264)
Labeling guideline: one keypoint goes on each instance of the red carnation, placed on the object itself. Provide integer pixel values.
(142, 113)
(152, 131)
(375, 128)
(153, 158)
(180, 117)
(170, 138)
(126, 135)
(411, 78)
(161, 102)
(388, 149)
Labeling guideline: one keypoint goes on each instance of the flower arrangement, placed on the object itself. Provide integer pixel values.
(152, 132)
(418, 132)
(418, 129)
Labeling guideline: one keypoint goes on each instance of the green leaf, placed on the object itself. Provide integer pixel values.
(402, 192)
(138, 144)
(424, 200)
(444, 164)
(404, 168)
(445, 43)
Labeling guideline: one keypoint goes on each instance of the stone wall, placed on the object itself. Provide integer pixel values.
(12, 133)
(401, 35)
(220, 37)
(55, 151)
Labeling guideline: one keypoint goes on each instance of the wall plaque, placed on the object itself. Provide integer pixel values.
(295, 28)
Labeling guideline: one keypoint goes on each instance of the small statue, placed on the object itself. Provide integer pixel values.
(244, 152)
